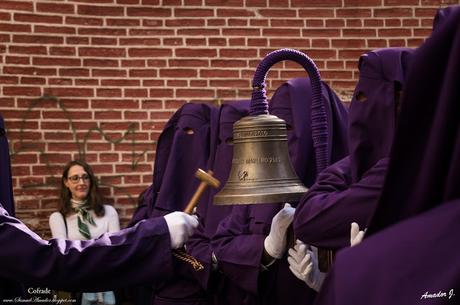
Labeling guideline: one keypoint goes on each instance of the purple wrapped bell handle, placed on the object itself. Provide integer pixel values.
(259, 104)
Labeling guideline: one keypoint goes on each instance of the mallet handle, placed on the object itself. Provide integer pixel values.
(206, 179)
(194, 201)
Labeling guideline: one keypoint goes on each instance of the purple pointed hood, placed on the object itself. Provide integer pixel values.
(442, 15)
(372, 119)
(292, 103)
(183, 147)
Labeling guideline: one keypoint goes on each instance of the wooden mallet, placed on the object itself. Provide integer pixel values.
(206, 179)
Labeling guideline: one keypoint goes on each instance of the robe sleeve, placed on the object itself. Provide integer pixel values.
(324, 216)
(239, 248)
(138, 255)
(199, 246)
(410, 259)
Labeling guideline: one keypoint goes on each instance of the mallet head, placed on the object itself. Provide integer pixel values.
(207, 178)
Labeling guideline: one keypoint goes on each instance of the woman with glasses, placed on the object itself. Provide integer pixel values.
(82, 215)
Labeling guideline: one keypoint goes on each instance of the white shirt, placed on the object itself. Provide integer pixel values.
(107, 223)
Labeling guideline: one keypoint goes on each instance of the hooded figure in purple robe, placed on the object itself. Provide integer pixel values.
(239, 242)
(209, 214)
(138, 255)
(348, 190)
(410, 253)
(183, 147)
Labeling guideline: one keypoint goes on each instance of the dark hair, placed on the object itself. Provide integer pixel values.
(94, 197)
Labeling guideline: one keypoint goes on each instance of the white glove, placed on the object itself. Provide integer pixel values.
(275, 242)
(356, 236)
(181, 226)
(304, 265)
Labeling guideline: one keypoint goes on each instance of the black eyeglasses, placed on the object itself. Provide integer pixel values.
(75, 178)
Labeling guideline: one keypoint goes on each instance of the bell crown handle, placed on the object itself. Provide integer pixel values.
(259, 104)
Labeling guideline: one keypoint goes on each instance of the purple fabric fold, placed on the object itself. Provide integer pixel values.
(408, 263)
(411, 246)
(333, 203)
(425, 165)
(348, 191)
(442, 15)
(129, 257)
(8, 287)
(373, 107)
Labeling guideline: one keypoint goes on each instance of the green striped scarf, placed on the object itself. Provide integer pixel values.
(84, 217)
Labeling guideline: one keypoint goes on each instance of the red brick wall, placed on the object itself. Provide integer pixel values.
(99, 78)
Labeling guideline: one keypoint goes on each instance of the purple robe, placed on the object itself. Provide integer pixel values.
(183, 147)
(441, 15)
(238, 243)
(407, 263)
(129, 257)
(348, 190)
(209, 214)
(8, 288)
(410, 254)
(425, 165)
(6, 186)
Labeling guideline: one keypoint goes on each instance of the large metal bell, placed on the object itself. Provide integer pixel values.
(261, 169)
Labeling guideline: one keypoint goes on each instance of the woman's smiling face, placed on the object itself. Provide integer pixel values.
(78, 182)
